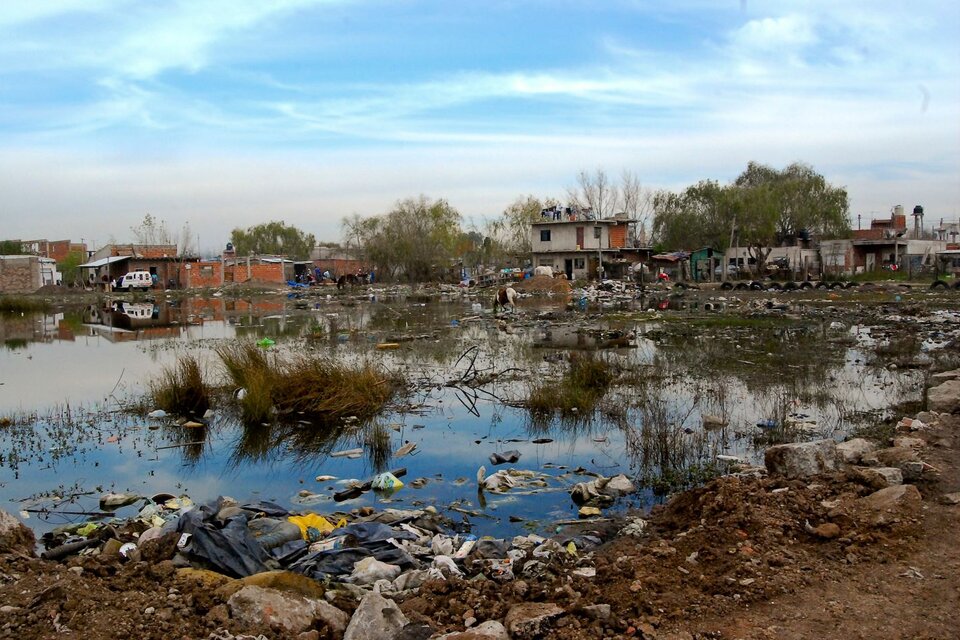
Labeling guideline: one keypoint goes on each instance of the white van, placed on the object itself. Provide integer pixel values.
(141, 280)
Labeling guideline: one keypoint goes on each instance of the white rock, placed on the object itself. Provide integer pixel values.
(292, 612)
(802, 459)
(489, 629)
(945, 397)
(852, 450)
(881, 477)
(375, 617)
(529, 620)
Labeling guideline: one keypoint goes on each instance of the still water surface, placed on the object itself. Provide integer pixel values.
(65, 379)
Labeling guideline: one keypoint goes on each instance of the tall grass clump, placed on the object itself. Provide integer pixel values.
(576, 394)
(181, 389)
(318, 388)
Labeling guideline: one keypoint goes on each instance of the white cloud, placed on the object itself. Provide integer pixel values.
(835, 86)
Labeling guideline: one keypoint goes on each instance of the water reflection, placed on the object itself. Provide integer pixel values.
(807, 379)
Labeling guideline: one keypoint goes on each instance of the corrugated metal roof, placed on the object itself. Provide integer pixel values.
(103, 261)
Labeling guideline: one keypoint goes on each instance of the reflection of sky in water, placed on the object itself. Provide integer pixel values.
(83, 371)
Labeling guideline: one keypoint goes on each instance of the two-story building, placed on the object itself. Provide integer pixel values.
(578, 246)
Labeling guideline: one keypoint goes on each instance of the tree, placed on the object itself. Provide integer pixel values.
(418, 240)
(273, 238)
(763, 208)
(781, 206)
(637, 201)
(10, 248)
(152, 230)
(513, 226)
(69, 267)
(700, 216)
(596, 192)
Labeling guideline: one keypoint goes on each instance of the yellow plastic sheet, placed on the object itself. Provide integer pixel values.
(313, 526)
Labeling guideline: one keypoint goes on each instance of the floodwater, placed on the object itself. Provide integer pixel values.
(68, 379)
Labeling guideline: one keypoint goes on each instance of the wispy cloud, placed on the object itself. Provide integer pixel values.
(178, 91)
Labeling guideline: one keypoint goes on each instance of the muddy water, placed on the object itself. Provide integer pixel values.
(66, 380)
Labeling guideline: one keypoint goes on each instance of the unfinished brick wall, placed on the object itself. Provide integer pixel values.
(618, 236)
(339, 267)
(201, 274)
(19, 274)
(269, 272)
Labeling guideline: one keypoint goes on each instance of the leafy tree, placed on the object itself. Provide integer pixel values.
(513, 225)
(273, 238)
(763, 208)
(10, 247)
(781, 206)
(69, 267)
(420, 239)
(700, 216)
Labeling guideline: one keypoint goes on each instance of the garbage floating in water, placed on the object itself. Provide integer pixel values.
(507, 456)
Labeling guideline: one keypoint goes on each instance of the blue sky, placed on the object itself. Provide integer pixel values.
(224, 113)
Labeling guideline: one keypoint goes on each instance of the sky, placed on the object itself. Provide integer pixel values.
(221, 114)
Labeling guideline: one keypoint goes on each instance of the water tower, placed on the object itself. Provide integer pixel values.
(917, 221)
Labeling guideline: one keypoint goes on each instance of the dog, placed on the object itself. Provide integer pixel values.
(506, 297)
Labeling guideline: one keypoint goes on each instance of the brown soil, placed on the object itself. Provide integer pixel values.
(544, 284)
(733, 559)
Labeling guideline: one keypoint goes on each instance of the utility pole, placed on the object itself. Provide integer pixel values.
(725, 264)
(599, 253)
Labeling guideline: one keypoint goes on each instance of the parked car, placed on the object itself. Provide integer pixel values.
(135, 280)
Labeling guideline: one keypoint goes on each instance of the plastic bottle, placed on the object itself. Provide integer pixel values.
(272, 533)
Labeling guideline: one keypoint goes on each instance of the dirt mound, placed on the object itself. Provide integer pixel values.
(706, 565)
(544, 284)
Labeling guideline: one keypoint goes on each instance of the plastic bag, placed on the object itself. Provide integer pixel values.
(386, 482)
(312, 526)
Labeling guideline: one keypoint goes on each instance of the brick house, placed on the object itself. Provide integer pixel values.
(575, 244)
(26, 274)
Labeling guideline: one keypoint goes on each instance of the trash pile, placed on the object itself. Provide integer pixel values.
(390, 551)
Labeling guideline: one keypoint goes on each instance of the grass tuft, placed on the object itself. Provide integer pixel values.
(577, 393)
(305, 387)
(181, 389)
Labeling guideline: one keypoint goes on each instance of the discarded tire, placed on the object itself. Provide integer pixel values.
(851, 285)
(822, 285)
(836, 285)
(940, 284)
(956, 285)
(806, 285)
(726, 286)
(742, 286)
(756, 286)
(775, 286)
(790, 286)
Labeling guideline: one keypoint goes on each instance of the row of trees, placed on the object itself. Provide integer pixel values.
(421, 238)
(763, 208)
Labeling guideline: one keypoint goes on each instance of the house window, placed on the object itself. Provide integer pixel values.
(544, 235)
(546, 263)
(579, 263)
(596, 232)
